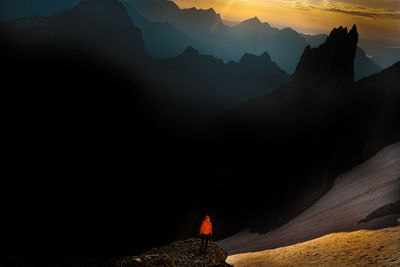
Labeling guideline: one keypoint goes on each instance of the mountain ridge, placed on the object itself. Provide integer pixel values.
(230, 43)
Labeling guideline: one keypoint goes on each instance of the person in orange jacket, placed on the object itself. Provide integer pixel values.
(205, 232)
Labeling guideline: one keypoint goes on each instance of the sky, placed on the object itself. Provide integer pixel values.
(375, 19)
(378, 21)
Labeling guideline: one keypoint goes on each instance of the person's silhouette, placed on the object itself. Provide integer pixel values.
(205, 232)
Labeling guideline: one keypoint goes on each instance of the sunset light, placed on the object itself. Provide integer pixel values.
(374, 18)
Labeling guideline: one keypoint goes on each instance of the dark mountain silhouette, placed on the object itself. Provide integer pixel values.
(201, 87)
(332, 62)
(123, 44)
(194, 22)
(320, 124)
(284, 45)
(363, 66)
(230, 43)
(198, 87)
(12, 10)
(161, 39)
(211, 36)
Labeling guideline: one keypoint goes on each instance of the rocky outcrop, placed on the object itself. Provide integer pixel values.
(389, 209)
(180, 253)
(333, 61)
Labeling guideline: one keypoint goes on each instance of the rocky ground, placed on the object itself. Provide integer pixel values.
(177, 254)
(180, 253)
(358, 248)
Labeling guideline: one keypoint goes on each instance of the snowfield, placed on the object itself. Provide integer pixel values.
(354, 195)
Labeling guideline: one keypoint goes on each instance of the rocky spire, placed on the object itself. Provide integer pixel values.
(333, 61)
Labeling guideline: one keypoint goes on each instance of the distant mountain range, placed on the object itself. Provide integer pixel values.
(211, 36)
(195, 87)
(161, 38)
(203, 87)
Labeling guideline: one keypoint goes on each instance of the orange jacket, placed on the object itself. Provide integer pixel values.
(206, 227)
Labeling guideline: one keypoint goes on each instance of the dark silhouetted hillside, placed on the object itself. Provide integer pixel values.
(320, 124)
(118, 42)
(202, 87)
(161, 39)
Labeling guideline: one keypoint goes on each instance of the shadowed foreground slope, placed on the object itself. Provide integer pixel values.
(354, 195)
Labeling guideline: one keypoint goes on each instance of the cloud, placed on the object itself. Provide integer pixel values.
(391, 5)
(365, 13)
(351, 7)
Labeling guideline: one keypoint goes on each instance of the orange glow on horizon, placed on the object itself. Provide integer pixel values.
(375, 20)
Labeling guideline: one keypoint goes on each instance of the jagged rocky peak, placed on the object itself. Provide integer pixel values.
(266, 24)
(331, 61)
(191, 53)
(170, 4)
(252, 22)
(288, 29)
(251, 59)
(203, 15)
(206, 12)
(210, 11)
(341, 35)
